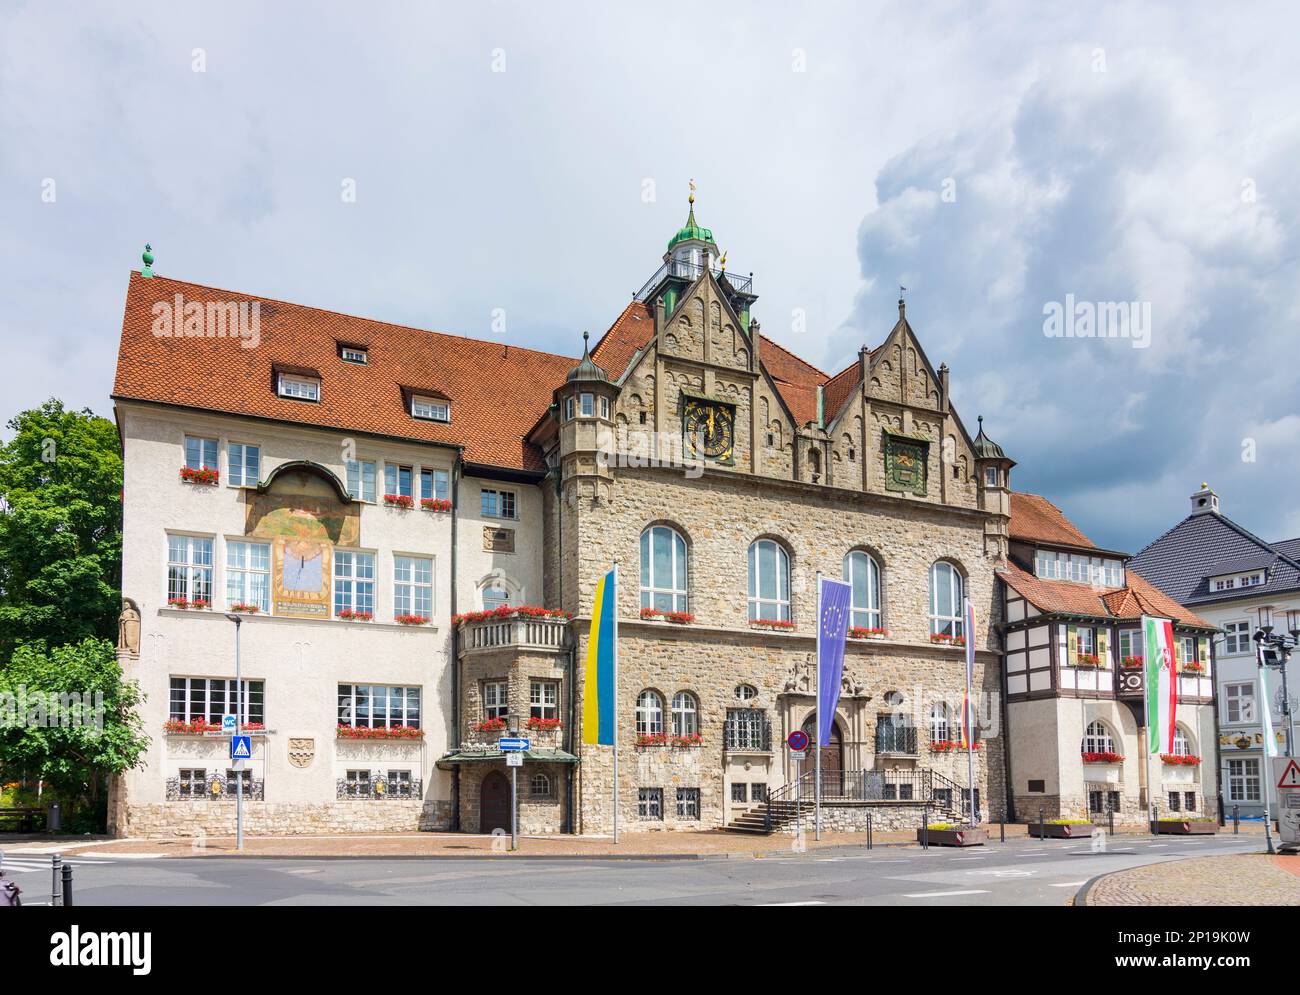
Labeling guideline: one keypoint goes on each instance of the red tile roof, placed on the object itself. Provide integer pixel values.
(1036, 519)
(1068, 598)
(497, 391)
(839, 389)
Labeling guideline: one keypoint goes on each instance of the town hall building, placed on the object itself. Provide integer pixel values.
(404, 529)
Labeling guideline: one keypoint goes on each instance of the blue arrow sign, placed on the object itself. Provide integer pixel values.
(241, 747)
(510, 744)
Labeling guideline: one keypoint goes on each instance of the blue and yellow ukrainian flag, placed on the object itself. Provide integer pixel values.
(598, 680)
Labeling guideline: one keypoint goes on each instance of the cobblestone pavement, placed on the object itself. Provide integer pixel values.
(1239, 879)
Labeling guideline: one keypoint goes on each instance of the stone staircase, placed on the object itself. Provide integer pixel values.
(754, 820)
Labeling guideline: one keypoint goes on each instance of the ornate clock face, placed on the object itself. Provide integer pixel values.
(710, 429)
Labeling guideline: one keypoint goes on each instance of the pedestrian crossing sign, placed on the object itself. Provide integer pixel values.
(241, 747)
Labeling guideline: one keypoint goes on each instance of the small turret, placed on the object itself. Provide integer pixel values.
(588, 446)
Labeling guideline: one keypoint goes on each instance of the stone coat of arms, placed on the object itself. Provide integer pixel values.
(302, 752)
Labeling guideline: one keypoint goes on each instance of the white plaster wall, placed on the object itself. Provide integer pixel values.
(522, 569)
(302, 661)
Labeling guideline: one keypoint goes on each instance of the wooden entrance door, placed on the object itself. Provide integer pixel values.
(494, 803)
(832, 757)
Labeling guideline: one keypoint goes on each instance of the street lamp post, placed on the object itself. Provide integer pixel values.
(239, 721)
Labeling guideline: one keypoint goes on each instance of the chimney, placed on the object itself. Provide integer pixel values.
(1205, 501)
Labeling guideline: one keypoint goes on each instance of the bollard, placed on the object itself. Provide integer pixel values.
(1002, 828)
(67, 885)
(1110, 820)
(53, 818)
(925, 827)
(868, 830)
(1042, 823)
(1236, 820)
(56, 893)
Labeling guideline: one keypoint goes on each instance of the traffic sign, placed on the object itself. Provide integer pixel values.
(508, 744)
(514, 759)
(1290, 777)
(228, 724)
(797, 755)
(797, 740)
(241, 747)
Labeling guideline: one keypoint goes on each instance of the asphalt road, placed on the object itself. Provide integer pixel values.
(1020, 872)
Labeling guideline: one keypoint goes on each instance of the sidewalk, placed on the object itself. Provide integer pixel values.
(1238, 879)
(715, 844)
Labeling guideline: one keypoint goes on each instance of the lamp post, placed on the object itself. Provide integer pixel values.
(1275, 651)
(239, 721)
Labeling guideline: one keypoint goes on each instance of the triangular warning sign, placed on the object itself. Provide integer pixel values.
(241, 748)
(1290, 776)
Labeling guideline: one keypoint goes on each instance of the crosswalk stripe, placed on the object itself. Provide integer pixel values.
(945, 894)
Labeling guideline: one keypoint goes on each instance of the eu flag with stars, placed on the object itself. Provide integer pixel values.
(833, 605)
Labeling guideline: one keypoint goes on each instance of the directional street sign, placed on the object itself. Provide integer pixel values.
(241, 747)
(514, 759)
(797, 741)
(228, 724)
(1290, 772)
(508, 744)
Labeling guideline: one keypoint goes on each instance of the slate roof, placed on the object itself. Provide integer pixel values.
(1197, 548)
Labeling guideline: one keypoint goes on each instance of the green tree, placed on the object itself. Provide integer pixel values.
(60, 528)
(70, 719)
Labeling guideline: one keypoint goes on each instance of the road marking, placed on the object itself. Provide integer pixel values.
(1033, 855)
(1069, 884)
(776, 904)
(945, 894)
(955, 859)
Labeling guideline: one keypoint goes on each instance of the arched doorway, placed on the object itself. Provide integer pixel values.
(832, 758)
(494, 803)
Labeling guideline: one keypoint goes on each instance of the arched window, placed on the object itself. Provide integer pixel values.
(495, 596)
(649, 714)
(686, 714)
(1097, 739)
(663, 570)
(863, 573)
(945, 600)
(1182, 742)
(769, 581)
(939, 728)
(541, 786)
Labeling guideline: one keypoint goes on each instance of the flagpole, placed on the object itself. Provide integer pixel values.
(968, 720)
(614, 609)
(817, 730)
(1270, 744)
(1147, 633)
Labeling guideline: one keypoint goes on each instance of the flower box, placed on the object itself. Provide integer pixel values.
(510, 611)
(946, 834)
(393, 732)
(1131, 663)
(435, 504)
(860, 632)
(652, 739)
(399, 500)
(1180, 759)
(1061, 829)
(677, 618)
(948, 745)
(491, 725)
(1173, 826)
(1102, 758)
(943, 639)
(245, 609)
(411, 619)
(1193, 667)
(350, 615)
(1087, 660)
(198, 604)
(197, 727)
(203, 475)
(543, 725)
(771, 623)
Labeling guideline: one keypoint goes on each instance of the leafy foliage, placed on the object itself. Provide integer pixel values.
(60, 528)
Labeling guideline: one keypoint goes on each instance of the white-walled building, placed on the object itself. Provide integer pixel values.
(1238, 582)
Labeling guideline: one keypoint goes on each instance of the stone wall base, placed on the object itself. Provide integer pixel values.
(204, 818)
(852, 818)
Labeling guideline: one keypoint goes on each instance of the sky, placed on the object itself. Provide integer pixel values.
(519, 167)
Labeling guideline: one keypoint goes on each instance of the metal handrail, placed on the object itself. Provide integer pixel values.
(692, 271)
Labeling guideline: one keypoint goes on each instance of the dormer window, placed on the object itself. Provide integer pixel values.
(354, 354)
(298, 387)
(430, 408)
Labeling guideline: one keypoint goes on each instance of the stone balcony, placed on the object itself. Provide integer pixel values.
(517, 632)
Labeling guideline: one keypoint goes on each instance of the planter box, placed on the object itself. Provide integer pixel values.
(1186, 828)
(955, 837)
(1061, 831)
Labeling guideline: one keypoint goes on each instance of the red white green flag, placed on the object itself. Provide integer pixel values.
(1161, 682)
